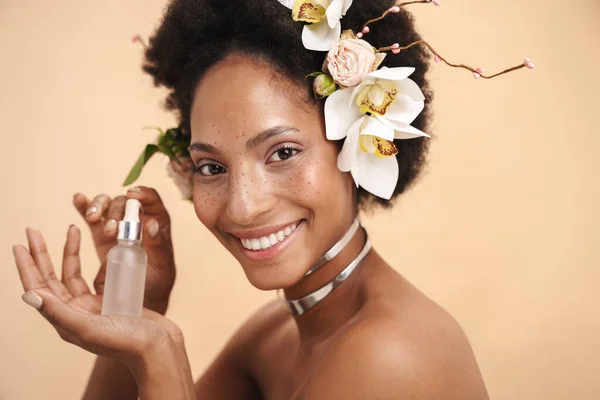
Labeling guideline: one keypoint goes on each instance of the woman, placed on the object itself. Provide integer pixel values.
(277, 193)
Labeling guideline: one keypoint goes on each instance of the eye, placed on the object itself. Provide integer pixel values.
(283, 153)
(209, 169)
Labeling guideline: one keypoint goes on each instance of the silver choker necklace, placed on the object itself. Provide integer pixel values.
(307, 302)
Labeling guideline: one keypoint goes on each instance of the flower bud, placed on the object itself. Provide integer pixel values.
(324, 85)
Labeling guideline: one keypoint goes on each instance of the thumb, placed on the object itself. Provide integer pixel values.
(102, 335)
(56, 311)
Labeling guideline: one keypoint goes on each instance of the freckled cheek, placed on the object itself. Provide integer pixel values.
(313, 184)
(208, 205)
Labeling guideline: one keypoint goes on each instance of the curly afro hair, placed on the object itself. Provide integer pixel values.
(196, 34)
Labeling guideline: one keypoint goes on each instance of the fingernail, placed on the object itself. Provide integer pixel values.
(111, 225)
(153, 229)
(91, 210)
(134, 189)
(32, 299)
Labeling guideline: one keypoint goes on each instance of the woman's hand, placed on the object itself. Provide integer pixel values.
(74, 311)
(102, 214)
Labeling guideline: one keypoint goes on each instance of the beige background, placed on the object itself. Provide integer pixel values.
(502, 230)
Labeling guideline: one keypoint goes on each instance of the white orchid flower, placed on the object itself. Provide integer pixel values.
(393, 101)
(323, 16)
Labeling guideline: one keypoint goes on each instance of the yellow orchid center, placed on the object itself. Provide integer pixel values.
(311, 11)
(377, 146)
(377, 97)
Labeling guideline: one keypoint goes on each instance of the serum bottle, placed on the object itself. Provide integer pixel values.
(126, 267)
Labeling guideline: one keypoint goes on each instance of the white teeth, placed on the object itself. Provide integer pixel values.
(266, 242)
(273, 239)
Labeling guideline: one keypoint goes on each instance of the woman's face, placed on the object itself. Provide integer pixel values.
(263, 167)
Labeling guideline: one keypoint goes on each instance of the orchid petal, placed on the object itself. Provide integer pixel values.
(376, 175)
(392, 74)
(376, 94)
(356, 89)
(339, 115)
(319, 36)
(402, 130)
(348, 153)
(404, 109)
(347, 4)
(334, 12)
(376, 98)
(311, 11)
(375, 127)
(288, 3)
(354, 176)
(409, 88)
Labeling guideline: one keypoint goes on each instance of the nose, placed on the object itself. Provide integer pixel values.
(249, 196)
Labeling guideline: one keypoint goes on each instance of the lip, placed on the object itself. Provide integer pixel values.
(258, 255)
(260, 232)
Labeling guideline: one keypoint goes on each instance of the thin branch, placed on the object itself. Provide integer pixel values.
(397, 49)
(391, 10)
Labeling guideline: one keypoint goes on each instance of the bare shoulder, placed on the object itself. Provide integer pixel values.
(401, 346)
(228, 376)
(260, 325)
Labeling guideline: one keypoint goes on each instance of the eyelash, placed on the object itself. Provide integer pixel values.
(286, 146)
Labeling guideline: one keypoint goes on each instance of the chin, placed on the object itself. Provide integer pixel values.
(275, 276)
(279, 266)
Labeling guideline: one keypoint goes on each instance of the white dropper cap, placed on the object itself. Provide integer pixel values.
(132, 210)
(130, 228)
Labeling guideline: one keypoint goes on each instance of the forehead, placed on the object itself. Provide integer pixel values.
(244, 96)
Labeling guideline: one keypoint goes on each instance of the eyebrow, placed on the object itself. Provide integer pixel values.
(251, 143)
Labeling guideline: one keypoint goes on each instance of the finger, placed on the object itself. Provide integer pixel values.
(39, 252)
(71, 270)
(156, 224)
(152, 204)
(97, 208)
(156, 241)
(112, 336)
(73, 325)
(102, 242)
(115, 213)
(85, 206)
(116, 210)
(29, 273)
(81, 203)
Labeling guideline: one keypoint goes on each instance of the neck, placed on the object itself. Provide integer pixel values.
(341, 304)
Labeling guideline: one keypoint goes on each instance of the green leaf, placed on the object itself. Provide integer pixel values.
(167, 151)
(173, 133)
(139, 164)
(313, 74)
(156, 128)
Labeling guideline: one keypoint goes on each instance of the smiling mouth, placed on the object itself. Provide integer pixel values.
(266, 242)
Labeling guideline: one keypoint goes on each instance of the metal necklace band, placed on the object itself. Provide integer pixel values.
(304, 304)
(336, 248)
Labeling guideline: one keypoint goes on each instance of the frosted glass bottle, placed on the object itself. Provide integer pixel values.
(126, 265)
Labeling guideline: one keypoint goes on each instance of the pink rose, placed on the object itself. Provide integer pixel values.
(350, 59)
